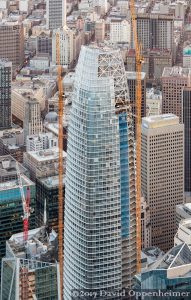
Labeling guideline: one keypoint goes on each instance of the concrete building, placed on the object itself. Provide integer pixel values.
(154, 63)
(155, 31)
(12, 143)
(186, 106)
(43, 163)
(100, 177)
(44, 44)
(162, 174)
(153, 102)
(131, 81)
(12, 43)
(11, 209)
(66, 41)
(24, 6)
(32, 123)
(54, 14)
(145, 224)
(30, 271)
(173, 81)
(183, 234)
(183, 211)
(100, 31)
(41, 141)
(40, 63)
(5, 94)
(119, 31)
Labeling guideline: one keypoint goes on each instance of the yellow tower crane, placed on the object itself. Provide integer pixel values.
(60, 165)
(139, 60)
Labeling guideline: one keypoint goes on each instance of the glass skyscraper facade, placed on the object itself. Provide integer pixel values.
(100, 207)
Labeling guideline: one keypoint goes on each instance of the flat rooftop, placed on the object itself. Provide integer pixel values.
(13, 184)
(176, 71)
(133, 75)
(51, 181)
(8, 167)
(46, 155)
(160, 121)
(41, 245)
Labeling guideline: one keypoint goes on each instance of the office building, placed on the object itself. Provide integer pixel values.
(131, 81)
(41, 141)
(12, 43)
(100, 204)
(47, 201)
(119, 31)
(100, 31)
(183, 211)
(32, 123)
(145, 224)
(155, 61)
(5, 94)
(183, 234)
(171, 274)
(173, 81)
(162, 174)
(186, 103)
(54, 14)
(43, 163)
(12, 143)
(66, 42)
(11, 209)
(44, 44)
(30, 271)
(155, 31)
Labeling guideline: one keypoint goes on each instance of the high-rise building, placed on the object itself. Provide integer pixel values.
(119, 31)
(30, 271)
(11, 209)
(145, 224)
(54, 13)
(47, 200)
(12, 43)
(155, 31)
(100, 204)
(186, 103)
(44, 44)
(173, 81)
(66, 40)
(131, 81)
(162, 175)
(32, 123)
(5, 94)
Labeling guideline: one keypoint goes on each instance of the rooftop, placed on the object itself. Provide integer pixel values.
(46, 155)
(133, 75)
(41, 245)
(176, 71)
(8, 167)
(13, 184)
(160, 121)
(51, 182)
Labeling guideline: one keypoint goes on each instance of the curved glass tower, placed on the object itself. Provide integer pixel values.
(100, 214)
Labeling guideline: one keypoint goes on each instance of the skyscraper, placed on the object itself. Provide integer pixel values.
(54, 13)
(162, 174)
(12, 43)
(187, 137)
(100, 206)
(155, 31)
(173, 81)
(5, 94)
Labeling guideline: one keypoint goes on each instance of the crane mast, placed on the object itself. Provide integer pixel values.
(139, 60)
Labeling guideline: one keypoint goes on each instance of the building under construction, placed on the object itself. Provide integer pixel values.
(29, 270)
